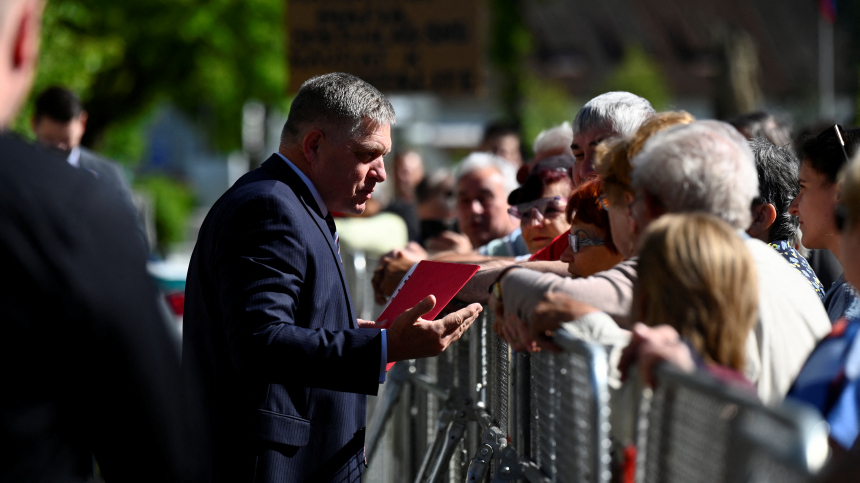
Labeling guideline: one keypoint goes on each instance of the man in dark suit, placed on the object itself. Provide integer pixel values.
(87, 367)
(59, 122)
(286, 364)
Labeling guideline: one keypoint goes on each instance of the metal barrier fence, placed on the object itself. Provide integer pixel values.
(480, 413)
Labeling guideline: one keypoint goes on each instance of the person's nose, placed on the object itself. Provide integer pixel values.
(378, 170)
(567, 255)
(476, 207)
(792, 208)
(533, 217)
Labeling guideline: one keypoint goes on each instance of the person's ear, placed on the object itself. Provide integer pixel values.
(25, 44)
(311, 144)
(763, 217)
(83, 119)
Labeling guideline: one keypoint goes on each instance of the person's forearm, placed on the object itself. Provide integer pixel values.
(452, 256)
(477, 289)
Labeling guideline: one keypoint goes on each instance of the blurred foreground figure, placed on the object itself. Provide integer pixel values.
(88, 368)
(700, 260)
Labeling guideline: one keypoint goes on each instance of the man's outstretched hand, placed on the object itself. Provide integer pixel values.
(411, 337)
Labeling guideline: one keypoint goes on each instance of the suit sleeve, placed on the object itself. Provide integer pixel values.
(263, 274)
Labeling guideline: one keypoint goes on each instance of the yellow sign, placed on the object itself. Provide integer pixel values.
(396, 45)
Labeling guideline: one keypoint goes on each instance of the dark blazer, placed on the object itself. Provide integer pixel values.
(87, 366)
(269, 322)
(111, 175)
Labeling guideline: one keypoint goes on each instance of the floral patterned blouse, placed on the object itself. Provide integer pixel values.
(800, 263)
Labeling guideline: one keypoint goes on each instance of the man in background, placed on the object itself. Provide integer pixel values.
(59, 122)
(503, 140)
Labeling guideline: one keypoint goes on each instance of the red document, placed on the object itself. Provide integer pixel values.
(440, 279)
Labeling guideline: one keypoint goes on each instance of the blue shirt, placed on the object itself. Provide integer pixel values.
(511, 245)
(830, 381)
(841, 300)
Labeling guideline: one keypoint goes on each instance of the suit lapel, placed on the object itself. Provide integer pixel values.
(285, 173)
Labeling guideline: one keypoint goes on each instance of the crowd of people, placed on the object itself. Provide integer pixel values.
(705, 244)
(671, 239)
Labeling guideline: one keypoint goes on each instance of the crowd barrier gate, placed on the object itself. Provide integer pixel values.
(481, 413)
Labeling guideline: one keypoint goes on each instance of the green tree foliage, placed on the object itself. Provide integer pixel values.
(172, 203)
(510, 43)
(545, 105)
(207, 57)
(640, 74)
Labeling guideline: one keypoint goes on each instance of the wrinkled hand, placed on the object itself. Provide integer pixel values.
(411, 337)
(651, 345)
(449, 241)
(554, 309)
(511, 328)
(391, 269)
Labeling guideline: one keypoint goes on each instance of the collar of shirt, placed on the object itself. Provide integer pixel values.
(314, 192)
(75, 157)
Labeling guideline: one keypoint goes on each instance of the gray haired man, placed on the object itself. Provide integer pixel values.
(607, 115)
(269, 319)
(708, 166)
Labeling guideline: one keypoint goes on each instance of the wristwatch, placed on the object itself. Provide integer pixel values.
(496, 287)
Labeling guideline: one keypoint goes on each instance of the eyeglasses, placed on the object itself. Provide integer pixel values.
(577, 243)
(539, 209)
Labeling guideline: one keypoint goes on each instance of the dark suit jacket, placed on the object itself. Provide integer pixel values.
(268, 318)
(87, 366)
(110, 174)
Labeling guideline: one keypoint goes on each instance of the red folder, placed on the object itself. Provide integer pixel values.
(441, 279)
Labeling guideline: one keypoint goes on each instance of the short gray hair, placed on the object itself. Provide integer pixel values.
(481, 160)
(560, 136)
(340, 99)
(622, 111)
(704, 166)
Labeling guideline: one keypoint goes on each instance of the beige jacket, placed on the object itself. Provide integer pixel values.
(791, 317)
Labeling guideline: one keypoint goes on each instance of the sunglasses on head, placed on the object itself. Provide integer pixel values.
(542, 208)
(836, 131)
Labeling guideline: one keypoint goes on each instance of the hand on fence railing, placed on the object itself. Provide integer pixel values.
(511, 328)
(553, 310)
(651, 345)
(411, 337)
